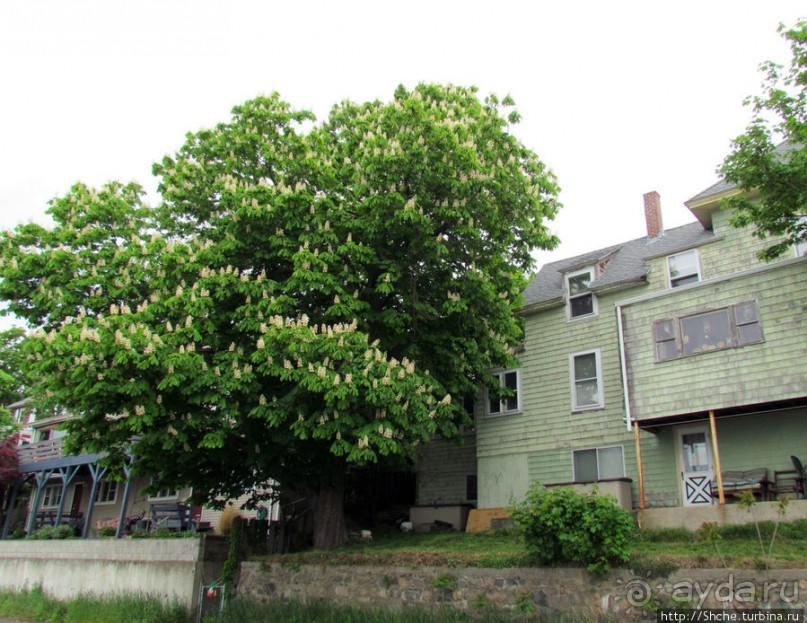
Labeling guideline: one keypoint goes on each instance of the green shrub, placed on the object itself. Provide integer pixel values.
(53, 532)
(560, 526)
(106, 531)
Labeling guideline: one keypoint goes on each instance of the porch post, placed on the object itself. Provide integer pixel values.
(41, 479)
(12, 502)
(97, 472)
(127, 490)
(716, 453)
(67, 474)
(639, 463)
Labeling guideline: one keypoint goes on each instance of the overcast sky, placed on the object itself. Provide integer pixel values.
(618, 98)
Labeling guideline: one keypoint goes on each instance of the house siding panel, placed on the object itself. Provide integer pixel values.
(446, 464)
(724, 378)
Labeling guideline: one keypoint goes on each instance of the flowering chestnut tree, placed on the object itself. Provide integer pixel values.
(307, 297)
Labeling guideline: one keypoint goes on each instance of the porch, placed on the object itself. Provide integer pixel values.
(692, 517)
(695, 467)
(74, 490)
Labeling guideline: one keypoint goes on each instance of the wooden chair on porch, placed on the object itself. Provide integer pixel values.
(789, 481)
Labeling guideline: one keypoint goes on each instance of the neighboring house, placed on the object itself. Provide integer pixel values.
(22, 414)
(681, 347)
(75, 489)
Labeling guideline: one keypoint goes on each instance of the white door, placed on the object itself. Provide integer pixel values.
(696, 465)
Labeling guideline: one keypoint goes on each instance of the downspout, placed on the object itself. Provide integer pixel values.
(624, 367)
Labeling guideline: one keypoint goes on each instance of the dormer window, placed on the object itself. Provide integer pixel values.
(581, 300)
(684, 268)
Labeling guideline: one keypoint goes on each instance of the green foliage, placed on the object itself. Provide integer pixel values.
(106, 531)
(234, 553)
(305, 299)
(774, 175)
(36, 605)
(560, 526)
(163, 533)
(445, 582)
(244, 611)
(53, 532)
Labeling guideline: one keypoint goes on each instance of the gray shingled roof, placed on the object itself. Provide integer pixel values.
(627, 263)
(722, 186)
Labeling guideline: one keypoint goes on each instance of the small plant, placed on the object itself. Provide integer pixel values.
(106, 531)
(748, 502)
(445, 582)
(709, 532)
(524, 604)
(560, 525)
(482, 602)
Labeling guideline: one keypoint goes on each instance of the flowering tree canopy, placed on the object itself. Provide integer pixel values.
(305, 298)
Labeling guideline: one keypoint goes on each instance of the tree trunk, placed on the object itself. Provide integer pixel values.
(330, 529)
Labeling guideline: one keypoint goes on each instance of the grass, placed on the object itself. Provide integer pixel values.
(244, 611)
(652, 549)
(36, 605)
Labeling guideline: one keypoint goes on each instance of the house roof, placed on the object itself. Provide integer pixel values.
(620, 265)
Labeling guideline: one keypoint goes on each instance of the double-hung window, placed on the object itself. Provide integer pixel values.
(508, 400)
(801, 246)
(51, 496)
(581, 301)
(594, 464)
(586, 377)
(684, 268)
(107, 492)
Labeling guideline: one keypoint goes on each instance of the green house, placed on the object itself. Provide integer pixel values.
(670, 370)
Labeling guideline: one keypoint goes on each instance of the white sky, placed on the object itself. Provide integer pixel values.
(618, 98)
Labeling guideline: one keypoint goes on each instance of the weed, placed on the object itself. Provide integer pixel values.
(445, 582)
(524, 604)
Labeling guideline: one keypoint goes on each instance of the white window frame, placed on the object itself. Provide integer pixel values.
(165, 494)
(697, 272)
(51, 496)
(573, 380)
(800, 248)
(569, 297)
(503, 410)
(597, 449)
(102, 494)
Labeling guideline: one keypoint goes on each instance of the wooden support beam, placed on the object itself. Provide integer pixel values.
(639, 467)
(716, 458)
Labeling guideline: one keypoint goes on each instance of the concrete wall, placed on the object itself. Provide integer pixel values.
(619, 595)
(693, 517)
(169, 569)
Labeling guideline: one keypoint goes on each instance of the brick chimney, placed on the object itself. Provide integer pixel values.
(652, 215)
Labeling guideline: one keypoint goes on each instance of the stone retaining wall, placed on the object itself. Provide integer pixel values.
(621, 594)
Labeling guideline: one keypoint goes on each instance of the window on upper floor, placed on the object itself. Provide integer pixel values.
(509, 400)
(581, 301)
(164, 493)
(586, 377)
(729, 327)
(107, 492)
(801, 247)
(684, 268)
(598, 464)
